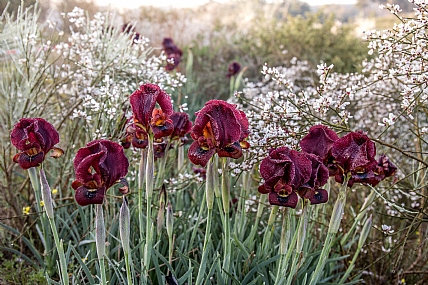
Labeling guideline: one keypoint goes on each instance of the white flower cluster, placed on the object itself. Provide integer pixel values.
(101, 66)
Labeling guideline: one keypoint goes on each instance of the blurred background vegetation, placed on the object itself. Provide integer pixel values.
(250, 32)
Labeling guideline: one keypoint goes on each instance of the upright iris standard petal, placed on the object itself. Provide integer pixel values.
(219, 128)
(319, 141)
(98, 166)
(34, 137)
(147, 118)
(354, 152)
(284, 171)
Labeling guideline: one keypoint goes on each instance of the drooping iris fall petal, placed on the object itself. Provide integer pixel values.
(34, 137)
(98, 166)
(311, 189)
(384, 168)
(284, 171)
(219, 128)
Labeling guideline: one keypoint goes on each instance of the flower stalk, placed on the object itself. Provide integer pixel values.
(149, 195)
(47, 198)
(333, 228)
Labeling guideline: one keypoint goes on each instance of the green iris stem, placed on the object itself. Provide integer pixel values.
(180, 157)
(205, 251)
(364, 233)
(100, 238)
(141, 179)
(250, 240)
(284, 242)
(149, 195)
(210, 183)
(301, 236)
(128, 268)
(270, 228)
(161, 170)
(35, 182)
(333, 228)
(368, 201)
(46, 195)
(225, 193)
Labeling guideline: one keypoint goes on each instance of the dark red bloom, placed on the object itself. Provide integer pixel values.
(98, 166)
(319, 141)
(34, 137)
(384, 168)
(147, 118)
(173, 53)
(182, 125)
(285, 171)
(128, 29)
(311, 189)
(219, 128)
(354, 152)
(159, 149)
(233, 69)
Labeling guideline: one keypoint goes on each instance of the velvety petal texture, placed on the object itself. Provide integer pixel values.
(147, 118)
(384, 169)
(319, 141)
(182, 124)
(354, 152)
(284, 171)
(319, 177)
(98, 166)
(219, 128)
(34, 137)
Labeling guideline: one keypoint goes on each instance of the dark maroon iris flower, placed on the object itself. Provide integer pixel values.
(127, 28)
(173, 53)
(34, 137)
(182, 125)
(233, 69)
(384, 168)
(285, 171)
(147, 118)
(219, 128)
(98, 166)
(319, 141)
(159, 149)
(354, 152)
(311, 189)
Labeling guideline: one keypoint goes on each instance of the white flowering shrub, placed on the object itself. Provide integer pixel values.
(388, 100)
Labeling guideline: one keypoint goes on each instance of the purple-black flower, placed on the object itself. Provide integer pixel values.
(285, 171)
(219, 128)
(233, 69)
(34, 137)
(147, 118)
(98, 166)
(173, 53)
